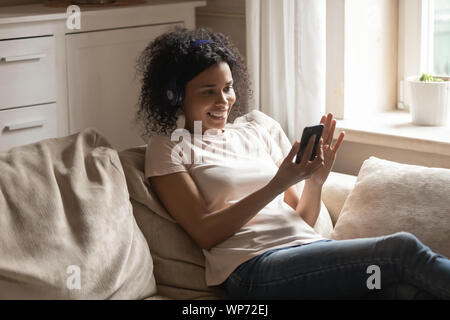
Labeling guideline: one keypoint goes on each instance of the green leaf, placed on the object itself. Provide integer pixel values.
(429, 78)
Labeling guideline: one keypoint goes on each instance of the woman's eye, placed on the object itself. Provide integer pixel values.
(226, 89)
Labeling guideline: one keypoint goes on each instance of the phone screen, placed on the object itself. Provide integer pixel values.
(307, 133)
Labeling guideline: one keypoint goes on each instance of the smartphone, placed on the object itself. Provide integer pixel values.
(307, 133)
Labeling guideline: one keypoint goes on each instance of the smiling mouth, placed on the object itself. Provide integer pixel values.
(217, 115)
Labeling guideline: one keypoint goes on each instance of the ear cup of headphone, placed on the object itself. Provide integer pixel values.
(180, 95)
(174, 94)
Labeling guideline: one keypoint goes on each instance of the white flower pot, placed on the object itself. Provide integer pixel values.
(429, 101)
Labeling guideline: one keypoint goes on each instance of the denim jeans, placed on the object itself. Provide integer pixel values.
(341, 269)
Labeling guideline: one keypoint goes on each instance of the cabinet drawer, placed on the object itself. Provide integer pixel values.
(27, 125)
(27, 72)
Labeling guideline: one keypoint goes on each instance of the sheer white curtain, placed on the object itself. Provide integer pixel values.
(287, 60)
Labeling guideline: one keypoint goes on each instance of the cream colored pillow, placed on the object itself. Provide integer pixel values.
(389, 197)
(67, 229)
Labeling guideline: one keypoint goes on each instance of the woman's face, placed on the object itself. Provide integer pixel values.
(211, 91)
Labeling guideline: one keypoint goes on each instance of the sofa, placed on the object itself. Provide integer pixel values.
(79, 221)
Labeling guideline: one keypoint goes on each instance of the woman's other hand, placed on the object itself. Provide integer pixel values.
(329, 152)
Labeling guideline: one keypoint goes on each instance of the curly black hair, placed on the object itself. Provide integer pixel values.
(171, 58)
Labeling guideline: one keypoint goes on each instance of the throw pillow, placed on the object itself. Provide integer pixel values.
(67, 229)
(390, 197)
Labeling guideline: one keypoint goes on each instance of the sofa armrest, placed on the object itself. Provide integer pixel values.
(335, 191)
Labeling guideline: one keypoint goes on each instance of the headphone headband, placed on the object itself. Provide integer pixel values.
(199, 42)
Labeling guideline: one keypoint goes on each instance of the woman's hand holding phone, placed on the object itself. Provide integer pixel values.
(290, 173)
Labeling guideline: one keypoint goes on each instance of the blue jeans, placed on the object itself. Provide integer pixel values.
(340, 269)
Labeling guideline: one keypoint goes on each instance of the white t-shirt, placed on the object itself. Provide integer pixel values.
(226, 167)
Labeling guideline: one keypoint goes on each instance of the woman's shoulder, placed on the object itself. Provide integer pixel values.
(257, 130)
(253, 125)
(158, 139)
(161, 142)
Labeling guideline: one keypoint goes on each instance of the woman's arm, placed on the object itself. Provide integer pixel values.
(185, 203)
(308, 206)
(290, 195)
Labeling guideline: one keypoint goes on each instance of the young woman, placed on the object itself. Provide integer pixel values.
(231, 190)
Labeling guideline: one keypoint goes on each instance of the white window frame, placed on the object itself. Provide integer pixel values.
(393, 128)
(346, 87)
(415, 44)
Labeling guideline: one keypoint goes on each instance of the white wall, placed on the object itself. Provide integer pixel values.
(352, 155)
(361, 56)
(371, 29)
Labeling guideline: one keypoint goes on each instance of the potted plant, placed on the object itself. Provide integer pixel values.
(430, 99)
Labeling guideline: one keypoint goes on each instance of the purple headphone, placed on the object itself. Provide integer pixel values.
(175, 94)
(199, 42)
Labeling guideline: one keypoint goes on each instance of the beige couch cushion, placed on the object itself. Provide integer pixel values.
(65, 216)
(335, 191)
(389, 197)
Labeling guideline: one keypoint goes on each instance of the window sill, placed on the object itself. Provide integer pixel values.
(394, 129)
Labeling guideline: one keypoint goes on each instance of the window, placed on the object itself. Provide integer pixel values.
(397, 39)
(373, 46)
(390, 40)
(441, 37)
(424, 41)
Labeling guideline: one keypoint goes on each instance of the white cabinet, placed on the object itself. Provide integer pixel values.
(27, 91)
(27, 72)
(27, 125)
(56, 81)
(103, 84)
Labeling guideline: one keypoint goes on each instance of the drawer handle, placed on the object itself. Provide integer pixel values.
(25, 125)
(24, 57)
